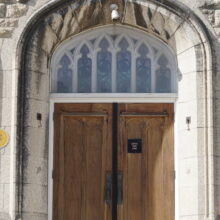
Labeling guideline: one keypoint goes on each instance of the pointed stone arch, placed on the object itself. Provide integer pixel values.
(172, 23)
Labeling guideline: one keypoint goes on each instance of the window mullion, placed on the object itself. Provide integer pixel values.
(153, 76)
(94, 71)
(133, 72)
(75, 74)
(55, 77)
(114, 71)
(71, 66)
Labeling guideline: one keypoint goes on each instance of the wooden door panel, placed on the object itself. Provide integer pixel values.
(73, 158)
(83, 156)
(154, 169)
(148, 186)
(135, 176)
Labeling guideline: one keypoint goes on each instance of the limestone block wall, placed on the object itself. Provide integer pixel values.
(10, 12)
(14, 17)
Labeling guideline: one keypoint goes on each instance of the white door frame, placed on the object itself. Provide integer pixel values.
(106, 98)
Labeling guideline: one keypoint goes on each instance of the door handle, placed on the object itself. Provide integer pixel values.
(119, 188)
(108, 188)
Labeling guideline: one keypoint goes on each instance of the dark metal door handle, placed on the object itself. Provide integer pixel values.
(108, 188)
(119, 188)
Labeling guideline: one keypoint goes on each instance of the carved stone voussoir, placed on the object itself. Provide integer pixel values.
(83, 15)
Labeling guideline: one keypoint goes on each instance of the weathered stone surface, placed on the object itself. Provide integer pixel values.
(40, 84)
(217, 18)
(4, 216)
(8, 22)
(36, 172)
(63, 23)
(36, 143)
(129, 14)
(1, 193)
(55, 21)
(217, 30)
(4, 168)
(16, 10)
(66, 24)
(5, 32)
(31, 204)
(33, 108)
(34, 216)
(2, 10)
(212, 12)
(39, 62)
(50, 40)
(157, 23)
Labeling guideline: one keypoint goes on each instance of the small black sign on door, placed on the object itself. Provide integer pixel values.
(134, 146)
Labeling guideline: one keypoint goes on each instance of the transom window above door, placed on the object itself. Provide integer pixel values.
(113, 59)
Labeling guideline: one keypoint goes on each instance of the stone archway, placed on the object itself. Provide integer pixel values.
(178, 29)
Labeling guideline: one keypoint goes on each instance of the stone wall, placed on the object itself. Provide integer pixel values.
(14, 16)
(212, 12)
(57, 27)
(10, 12)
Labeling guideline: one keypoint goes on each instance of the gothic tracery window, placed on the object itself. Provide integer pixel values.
(119, 62)
(143, 70)
(104, 68)
(84, 71)
(123, 58)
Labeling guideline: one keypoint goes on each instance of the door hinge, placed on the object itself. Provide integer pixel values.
(53, 115)
(174, 174)
(53, 174)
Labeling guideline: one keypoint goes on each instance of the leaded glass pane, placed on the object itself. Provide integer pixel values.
(64, 76)
(104, 68)
(84, 71)
(123, 68)
(113, 60)
(143, 71)
(163, 76)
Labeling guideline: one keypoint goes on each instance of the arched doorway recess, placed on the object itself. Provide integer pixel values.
(124, 146)
(183, 35)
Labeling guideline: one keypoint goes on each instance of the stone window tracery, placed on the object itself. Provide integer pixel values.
(113, 61)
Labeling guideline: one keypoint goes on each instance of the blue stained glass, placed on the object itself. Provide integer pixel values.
(84, 71)
(64, 77)
(163, 76)
(123, 68)
(143, 71)
(104, 68)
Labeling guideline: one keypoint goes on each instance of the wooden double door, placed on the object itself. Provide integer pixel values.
(113, 161)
